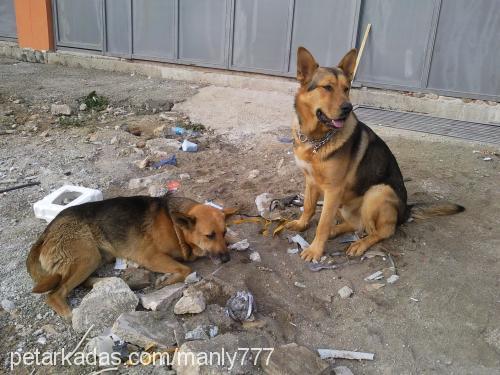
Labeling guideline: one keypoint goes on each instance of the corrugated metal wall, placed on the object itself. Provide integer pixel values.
(451, 47)
(7, 20)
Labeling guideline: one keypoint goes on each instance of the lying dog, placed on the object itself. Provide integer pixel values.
(152, 232)
(346, 161)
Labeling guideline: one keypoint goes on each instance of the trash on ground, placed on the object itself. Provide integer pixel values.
(293, 250)
(315, 267)
(375, 276)
(255, 256)
(263, 203)
(202, 333)
(178, 130)
(299, 284)
(487, 158)
(168, 161)
(392, 279)
(241, 306)
(350, 237)
(299, 240)
(344, 354)
(173, 185)
(282, 203)
(189, 146)
(120, 264)
(214, 205)
(239, 246)
(192, 278)
(285, 139)
(345, 292)
(414, 299)
(373, 253)
(66, 196)
(374, 286)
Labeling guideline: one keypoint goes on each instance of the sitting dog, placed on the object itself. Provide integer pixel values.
(153, 232)
(344, 160)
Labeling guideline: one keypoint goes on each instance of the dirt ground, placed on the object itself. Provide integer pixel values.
(441, 317)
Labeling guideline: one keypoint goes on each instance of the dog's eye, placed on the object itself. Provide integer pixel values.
(328, 88)
(211, 236)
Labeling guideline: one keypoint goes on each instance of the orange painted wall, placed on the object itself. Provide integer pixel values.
(34, 24)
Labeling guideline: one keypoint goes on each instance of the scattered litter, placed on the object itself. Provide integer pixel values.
(299, 240)
(373, 253)
(374, 286)
(239, 246)
(414, 299)
(67, 195)
(189, 146)
(350, 237)
(392, 279)
(120, 264)
(282, 203)
(299, 284)
(263, 203)
(375, 276)
(20, 186)
(192, 278)
(169, 161)
(285, 139)
(211, 203)
(344, 354)
(255, 256)
(345, 292)
(41, 340)
(241, 306)
(262, 268)
(202, 333)
(293, 250)
(315, 267)
(487, 158)
(173, 185)
(179, 130)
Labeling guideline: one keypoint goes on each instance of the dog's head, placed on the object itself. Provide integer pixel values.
(322, 101)
(204, 230)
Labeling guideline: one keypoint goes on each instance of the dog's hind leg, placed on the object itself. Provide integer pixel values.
(379, 216)
(87, 261)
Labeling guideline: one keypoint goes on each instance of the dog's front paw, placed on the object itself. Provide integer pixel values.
(296, 226)
(356, 249)
(312, 253)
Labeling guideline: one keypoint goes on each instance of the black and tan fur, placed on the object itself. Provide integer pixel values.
(355, 170)
(156, 233)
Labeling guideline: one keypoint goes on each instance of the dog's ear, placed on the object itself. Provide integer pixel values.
(348, 63)
(230, 212)
(306, 66)
(183, 220)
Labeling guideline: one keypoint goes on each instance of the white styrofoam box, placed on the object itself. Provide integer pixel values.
(66, 196)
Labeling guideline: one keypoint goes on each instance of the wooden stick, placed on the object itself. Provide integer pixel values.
(19, 187)
(361, 49)
(345, 354)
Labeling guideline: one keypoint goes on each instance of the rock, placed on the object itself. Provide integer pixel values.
(192, 278)
(137, 278)
(345, 292)
(163, 145)
(60, 109)
(143, 328)
(374, 286)
(240, 245)
(41, 340)
(222, 344)
(292, 359)
(342, 370)
(8, 305)
(140, 144)
(101, 346)
(192, 302)
(253, 174)
(162, 298)
(113, 140)
(184, 176)
(202, 333)
(103, 304)
(255, 256)
(144, 182)
(168, 117)
(392, 279)
(83, 107)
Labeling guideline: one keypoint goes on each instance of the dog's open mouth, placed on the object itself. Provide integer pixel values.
(337, 124)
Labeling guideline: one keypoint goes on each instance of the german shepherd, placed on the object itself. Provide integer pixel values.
(153, 232)
(346, 161)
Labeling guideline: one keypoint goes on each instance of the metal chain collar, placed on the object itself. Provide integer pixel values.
(316, 144)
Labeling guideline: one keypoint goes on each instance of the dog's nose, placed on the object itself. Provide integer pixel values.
(346, 108)
(225, 258)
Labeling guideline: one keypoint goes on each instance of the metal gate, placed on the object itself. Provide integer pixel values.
(7, 20)
(445, 46)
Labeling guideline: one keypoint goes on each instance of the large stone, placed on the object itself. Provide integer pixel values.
(60, 109)
(192, 302)
(163, 145)
(342, 370)
(162, 298)
(143, 328)
(293, 359)
(193, 357)
(103, 304)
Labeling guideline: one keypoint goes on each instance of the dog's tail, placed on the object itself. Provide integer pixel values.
(44, 282)
(421, 211)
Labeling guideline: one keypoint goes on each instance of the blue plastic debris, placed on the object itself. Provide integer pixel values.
(169, 161)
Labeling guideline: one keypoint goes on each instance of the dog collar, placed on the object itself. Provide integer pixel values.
(316, 144)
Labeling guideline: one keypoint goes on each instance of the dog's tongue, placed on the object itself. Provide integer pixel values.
(337, 123)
